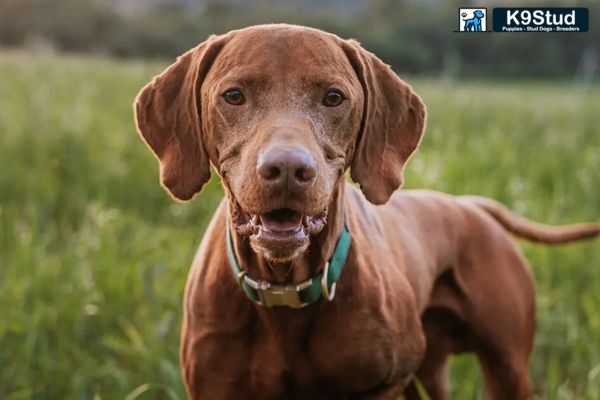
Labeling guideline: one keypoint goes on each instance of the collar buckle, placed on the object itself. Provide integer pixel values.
(273, 295)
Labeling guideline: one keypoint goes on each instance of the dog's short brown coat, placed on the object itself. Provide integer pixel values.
(427, 275)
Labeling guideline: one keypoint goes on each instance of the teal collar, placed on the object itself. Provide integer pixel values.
(270, 294)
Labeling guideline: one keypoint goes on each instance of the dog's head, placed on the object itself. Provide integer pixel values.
(478, 14)
(281, 112)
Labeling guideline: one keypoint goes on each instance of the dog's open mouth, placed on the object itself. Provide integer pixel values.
(283, 224)
(286, 223)
(279, 235)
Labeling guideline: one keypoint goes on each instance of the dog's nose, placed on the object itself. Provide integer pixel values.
(287, 167)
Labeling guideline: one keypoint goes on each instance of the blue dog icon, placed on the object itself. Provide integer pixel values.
(474, 24)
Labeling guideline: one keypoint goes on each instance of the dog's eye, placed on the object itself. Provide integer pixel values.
(234, 97)
(333, 98)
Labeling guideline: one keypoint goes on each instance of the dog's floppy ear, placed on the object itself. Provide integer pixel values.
(167, 114)
(392, 125)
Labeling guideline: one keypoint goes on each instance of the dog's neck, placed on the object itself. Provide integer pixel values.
(306, 265)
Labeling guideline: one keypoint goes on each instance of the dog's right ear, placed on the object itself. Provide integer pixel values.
(167, 114)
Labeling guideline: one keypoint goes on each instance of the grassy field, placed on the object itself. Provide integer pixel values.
(94, 255)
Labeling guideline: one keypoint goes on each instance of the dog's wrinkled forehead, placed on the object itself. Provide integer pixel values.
(283, 55)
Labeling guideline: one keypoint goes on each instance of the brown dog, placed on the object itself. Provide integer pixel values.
(282, 112)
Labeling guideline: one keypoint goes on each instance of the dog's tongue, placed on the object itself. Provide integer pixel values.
(283, 220)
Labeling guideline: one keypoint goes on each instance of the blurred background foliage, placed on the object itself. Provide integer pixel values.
(414, 36)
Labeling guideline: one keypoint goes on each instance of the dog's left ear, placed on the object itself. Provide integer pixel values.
(392, 125)
(167, 114)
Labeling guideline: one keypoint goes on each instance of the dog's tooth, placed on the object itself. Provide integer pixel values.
(255, 220)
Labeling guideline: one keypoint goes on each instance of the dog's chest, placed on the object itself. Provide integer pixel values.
(337, 354)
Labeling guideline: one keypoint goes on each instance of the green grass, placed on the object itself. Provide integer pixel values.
(93, 254)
